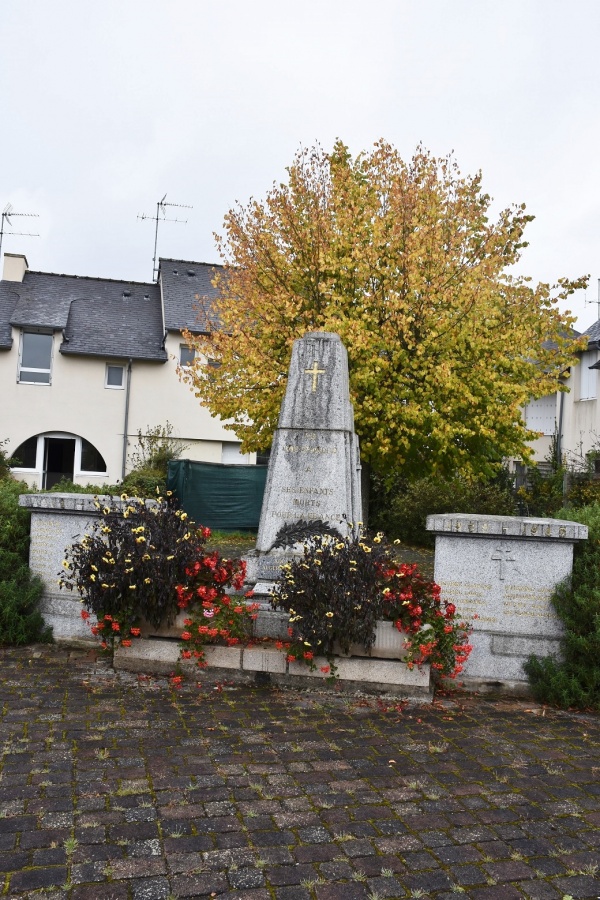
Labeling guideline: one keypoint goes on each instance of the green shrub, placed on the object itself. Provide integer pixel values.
(575, 679)
(401, 511)
(20, 619)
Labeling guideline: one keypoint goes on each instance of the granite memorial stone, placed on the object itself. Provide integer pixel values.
(314, 470)
(500, 572)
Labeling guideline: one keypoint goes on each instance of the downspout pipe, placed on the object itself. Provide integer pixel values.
(126, 422)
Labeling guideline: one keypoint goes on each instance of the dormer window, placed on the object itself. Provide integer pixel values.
(35, 358)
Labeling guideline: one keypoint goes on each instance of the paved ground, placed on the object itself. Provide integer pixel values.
(114, 786)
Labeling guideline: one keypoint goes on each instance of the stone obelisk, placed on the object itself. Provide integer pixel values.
(313, 482)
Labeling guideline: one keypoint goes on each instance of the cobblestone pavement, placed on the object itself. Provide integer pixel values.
(119, 786)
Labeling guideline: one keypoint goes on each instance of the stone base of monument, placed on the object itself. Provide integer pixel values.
(63, 614)
(242, 664)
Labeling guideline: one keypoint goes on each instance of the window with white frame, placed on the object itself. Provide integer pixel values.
(187, 355)
(115, 377)
(35, 358)
(588, 378)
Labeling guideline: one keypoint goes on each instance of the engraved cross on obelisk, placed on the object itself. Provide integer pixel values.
(315, 372)
(502, 556)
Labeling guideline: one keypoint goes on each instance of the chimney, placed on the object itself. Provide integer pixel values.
(15, 266)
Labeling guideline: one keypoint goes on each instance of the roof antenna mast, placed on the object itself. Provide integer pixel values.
(587, 302)
(161, 216)
(7, 212)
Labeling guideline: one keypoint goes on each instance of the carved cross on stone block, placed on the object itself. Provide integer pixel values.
(503, 556)
(315, 372)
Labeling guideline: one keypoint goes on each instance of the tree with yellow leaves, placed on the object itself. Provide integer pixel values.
(445, 345)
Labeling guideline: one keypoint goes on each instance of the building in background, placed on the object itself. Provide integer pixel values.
(88, 363)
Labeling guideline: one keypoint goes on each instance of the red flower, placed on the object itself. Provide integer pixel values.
(185, 636)
(135, 631)
(186, 654)
(325, 669)
(308, 655)
(126, 643)
(116, 626)
(85, 614)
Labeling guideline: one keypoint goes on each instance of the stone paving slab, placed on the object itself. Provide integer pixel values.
(115, 786)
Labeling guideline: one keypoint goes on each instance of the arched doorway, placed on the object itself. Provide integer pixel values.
(57, 456)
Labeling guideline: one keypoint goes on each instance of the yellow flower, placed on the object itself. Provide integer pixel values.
(168, 557)
(104, 585)
(140, 540)
(65, 564)
(147, 581)
(329, 615)
(92, 577)
(94, 568)
(132, 587)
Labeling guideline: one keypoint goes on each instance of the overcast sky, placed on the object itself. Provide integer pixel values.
(106, 106)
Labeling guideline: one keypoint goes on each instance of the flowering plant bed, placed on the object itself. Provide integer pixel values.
(212, 616)
(336, 592)
(141, 565)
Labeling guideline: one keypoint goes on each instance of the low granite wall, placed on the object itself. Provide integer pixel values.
(500, 572)
(57, 522)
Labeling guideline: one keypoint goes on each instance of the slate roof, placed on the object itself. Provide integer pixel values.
(120, 326)
(187, 294)
(108, 318)
(593, 333)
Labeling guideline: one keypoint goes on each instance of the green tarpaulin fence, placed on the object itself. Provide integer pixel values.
(222, 497)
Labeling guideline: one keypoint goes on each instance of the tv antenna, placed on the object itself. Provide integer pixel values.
(7, 213)
(161, 216)
(587, 302)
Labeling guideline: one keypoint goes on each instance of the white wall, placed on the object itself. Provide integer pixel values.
(581, 414)
(78, 403)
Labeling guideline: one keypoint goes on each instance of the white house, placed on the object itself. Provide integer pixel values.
(578, 422)
(87, 363)
(572, 418)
